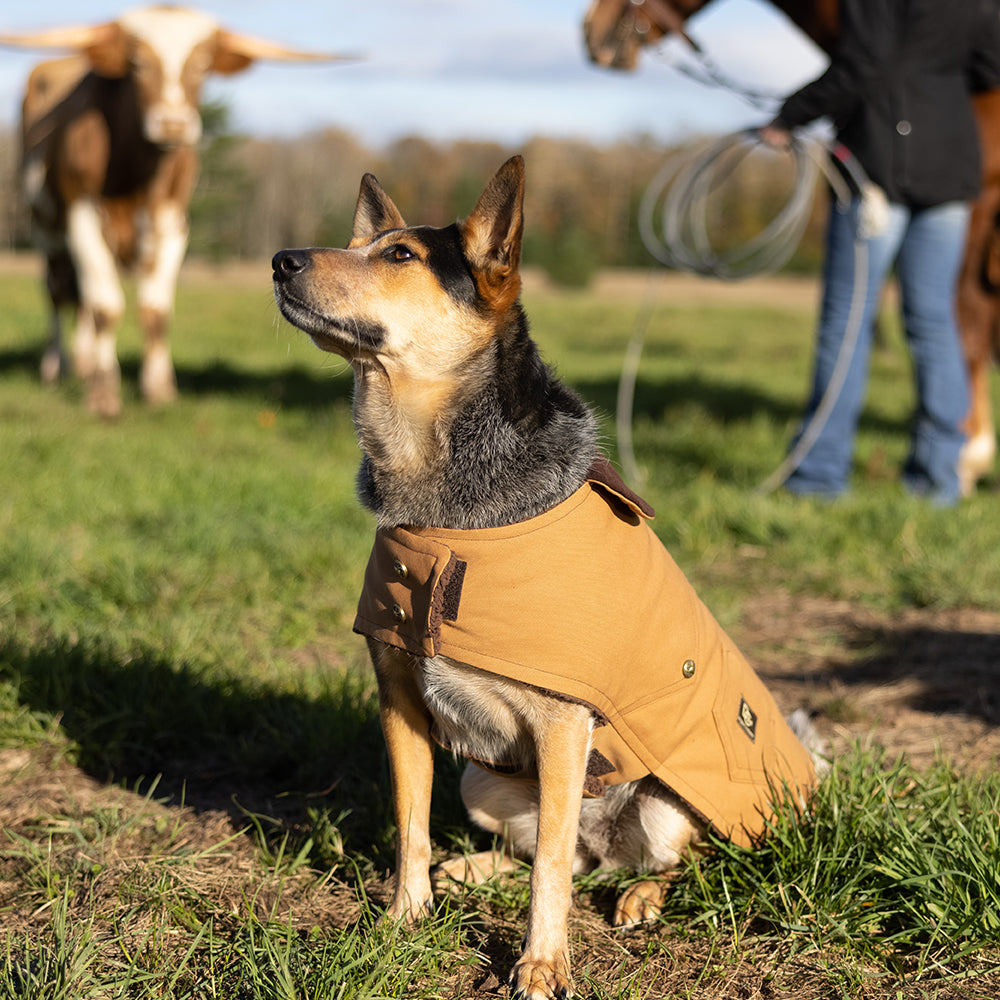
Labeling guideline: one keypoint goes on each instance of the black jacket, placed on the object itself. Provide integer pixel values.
(897, 90)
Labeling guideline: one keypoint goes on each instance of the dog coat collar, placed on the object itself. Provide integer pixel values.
(583, 601)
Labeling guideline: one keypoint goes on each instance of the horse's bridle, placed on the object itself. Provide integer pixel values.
(615, 30)
(666, 16)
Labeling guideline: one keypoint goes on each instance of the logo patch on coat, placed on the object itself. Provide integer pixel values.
(748, 720)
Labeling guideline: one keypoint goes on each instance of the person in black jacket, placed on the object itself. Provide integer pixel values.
(898, 92)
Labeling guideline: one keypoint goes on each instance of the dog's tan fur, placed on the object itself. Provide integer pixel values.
(420, 352)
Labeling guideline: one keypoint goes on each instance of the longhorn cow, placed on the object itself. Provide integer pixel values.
(109, 163)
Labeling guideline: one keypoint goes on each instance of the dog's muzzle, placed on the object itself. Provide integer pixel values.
(289, 264)
(346, 333)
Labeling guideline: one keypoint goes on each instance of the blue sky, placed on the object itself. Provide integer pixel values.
(504, 70)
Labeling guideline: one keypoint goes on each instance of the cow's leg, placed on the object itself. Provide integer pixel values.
(168, 238)
(102, 303)
(60, 282)
(54, 359)
(85, 344)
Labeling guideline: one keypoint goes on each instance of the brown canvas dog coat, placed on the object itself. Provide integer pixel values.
(585, 602)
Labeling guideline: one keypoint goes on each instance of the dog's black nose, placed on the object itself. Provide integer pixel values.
(289, 263)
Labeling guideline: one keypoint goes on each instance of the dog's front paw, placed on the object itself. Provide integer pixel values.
(407, 909)
(640, 903)
(541, 979)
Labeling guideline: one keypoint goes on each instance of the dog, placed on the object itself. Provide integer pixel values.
(518, 609)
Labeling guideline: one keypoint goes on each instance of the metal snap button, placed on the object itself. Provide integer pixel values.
(398, 613)
(688, 668)
(903, 127)
(399, 568)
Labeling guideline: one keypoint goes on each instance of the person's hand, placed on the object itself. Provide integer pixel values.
(776, 136)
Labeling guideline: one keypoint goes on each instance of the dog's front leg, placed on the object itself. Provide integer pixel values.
(406, 727)
(542, 972)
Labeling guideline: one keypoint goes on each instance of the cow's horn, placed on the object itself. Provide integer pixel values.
(259, 48)
(81, 37)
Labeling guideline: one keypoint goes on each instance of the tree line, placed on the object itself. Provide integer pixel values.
(256, 195)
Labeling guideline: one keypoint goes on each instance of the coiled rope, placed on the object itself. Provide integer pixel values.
(674, 210)
(674, 226)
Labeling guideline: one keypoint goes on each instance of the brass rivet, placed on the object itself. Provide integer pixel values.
(399, 568)
(688, 668)
(398, 613)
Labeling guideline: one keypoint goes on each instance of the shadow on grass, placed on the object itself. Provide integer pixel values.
(936, 670)
(296, 387)
(290, 387)
(233, 746)
(724, 401)
(221, 744)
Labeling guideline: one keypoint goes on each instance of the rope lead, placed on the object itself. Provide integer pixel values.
(673, 224)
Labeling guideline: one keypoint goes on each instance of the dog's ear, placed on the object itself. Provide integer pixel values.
(491, 235)
(374, 214)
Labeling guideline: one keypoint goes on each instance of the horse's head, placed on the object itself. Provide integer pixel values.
(615, 30)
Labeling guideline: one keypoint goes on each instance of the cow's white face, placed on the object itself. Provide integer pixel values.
(171, 52)
(168, 51)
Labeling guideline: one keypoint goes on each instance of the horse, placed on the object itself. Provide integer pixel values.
(616, 30)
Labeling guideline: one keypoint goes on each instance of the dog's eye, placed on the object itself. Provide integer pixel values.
(400, 252)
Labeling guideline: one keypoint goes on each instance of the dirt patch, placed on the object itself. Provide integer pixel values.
(919, 682)
(125, 845)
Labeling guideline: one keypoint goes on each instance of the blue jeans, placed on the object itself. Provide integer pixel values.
(927, 246)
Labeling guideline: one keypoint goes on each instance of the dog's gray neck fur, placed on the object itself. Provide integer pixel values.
(520, 444)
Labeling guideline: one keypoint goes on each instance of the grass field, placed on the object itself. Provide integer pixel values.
(193, 791)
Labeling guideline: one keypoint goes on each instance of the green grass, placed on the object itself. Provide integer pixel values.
(176, 598)
(892, 863)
